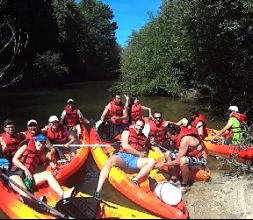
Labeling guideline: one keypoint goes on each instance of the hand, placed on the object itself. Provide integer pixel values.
(28, 174)
(52, 165)
(126, 97)
(143, 154)
(152, 141)
(159, 166)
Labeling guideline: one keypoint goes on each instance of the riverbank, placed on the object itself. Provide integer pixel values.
(224, 197)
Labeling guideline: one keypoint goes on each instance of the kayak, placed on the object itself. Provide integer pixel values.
(142, 195)
(246, 154)
(14, 208)
(65, 169)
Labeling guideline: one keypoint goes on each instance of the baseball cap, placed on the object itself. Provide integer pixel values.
(40, 138)
(53, 118)
(32, 121)
(70, 100)
(233, 108)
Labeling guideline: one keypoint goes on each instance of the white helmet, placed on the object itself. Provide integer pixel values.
(233, 108)
(53, 118)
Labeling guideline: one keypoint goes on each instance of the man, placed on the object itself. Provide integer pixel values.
(132, 155)
(72, 118)
(191, 151)
(115, 113)
(232, 131)
(10, 139)
(198, 121)
(58, 135)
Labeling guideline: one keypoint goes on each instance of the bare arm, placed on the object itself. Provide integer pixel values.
(127, 146)
(147, 109)
(200, 128)
(105, 112)
(72, 139)
(225, 128)
(85, 120)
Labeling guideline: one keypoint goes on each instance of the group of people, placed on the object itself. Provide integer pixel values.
(26, 150)
(180, 142)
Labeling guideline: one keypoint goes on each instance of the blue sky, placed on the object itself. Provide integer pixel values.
(131, 15)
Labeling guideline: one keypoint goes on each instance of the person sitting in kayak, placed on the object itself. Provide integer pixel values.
(191, 151)
(25, 163)
(132, 155)
(32, 131)
(135, 110)
(72, 118)
(115, 113)
(57, 134)
(10, 140)
(232, 132)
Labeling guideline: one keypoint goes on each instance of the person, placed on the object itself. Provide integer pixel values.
(57, 134)
(32, 131)
(191, 152)
(155, 130)
(115, 112)
(232, 132)
(10, 139)
(72, 118)
(25, 163)
(132, 155)
(135, 110)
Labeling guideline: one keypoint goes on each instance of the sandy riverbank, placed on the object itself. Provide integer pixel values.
(224, 197)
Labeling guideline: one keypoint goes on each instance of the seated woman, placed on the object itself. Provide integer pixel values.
(25, 162)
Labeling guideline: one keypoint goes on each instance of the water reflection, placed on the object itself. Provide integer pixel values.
(91, 98)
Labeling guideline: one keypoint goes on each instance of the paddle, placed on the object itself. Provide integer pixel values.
(51, 209)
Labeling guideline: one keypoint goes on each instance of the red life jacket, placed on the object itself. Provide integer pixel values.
(241, 117)
(137, 141)
(12, 144)
(56, 136)
(135, 113)
(192, 151)
(116, 110)
(203, 120)
(28, 134)
(157, 132)
(31, 157)
(71, 119)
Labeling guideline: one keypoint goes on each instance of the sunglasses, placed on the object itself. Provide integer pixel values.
(9, 127)
(32, 125)
(157, 118)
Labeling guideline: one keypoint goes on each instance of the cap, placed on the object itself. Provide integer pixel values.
(32, 121)
(40, 137)
(233, 108)
(70, 100)
(53, 118)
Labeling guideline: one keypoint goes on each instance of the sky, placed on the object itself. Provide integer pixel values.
(131, 15)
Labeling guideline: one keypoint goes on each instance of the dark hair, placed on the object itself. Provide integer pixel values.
(115, 94)
(172, 129)
(8, 122)
(194, 112)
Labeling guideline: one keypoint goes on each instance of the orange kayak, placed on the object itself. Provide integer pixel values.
(245, 154)
(143, 194)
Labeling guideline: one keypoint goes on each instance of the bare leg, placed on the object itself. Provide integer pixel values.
(20, 182)
(145, 165)
(185, 170)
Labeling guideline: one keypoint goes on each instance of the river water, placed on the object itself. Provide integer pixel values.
(91, 98)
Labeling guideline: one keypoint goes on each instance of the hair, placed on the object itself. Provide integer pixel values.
(8, 122)
(172, 129)
(115, 94)
(194, 112)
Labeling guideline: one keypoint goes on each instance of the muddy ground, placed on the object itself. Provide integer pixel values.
(225, 196)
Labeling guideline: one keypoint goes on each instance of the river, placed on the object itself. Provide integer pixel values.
(91, 98)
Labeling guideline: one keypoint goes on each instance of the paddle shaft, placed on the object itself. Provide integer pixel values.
(83, 145)
(55, 211)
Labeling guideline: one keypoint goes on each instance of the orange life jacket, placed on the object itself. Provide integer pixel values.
(71, 119)
(137, 141)
(31, 157)
(56, 136)
(135, 113)
(116, 110)
(192, 151)
(159, 133)
(203, 120)
(12, 144)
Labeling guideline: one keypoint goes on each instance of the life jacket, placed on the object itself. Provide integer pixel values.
(116, 110)
(31, 157)
(159, 133)
(56, 136)
(71, 119)
(192, 151)
(28, 134)
(203, 120)
(137, 141)
(12, 144)
(241, 117)
(135, 113)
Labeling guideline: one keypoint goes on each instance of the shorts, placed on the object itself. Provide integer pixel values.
(129, 160)
(194, 161)
(18, 172)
